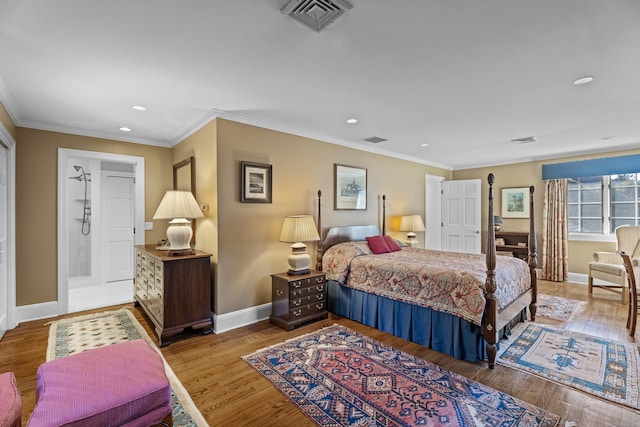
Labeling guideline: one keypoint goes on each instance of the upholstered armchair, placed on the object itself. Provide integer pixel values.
(607, 267)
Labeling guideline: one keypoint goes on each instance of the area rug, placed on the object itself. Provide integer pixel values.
(339, 377)
(557, 308)
(600, 367)
(77, 334)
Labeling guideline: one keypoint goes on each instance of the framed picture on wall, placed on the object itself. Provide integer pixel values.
(255, 182)
(350, 188)
(515, 202)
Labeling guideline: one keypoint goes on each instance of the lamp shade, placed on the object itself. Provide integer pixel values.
(299, 228)
(497, 220)
(178, 204)
(411, 223)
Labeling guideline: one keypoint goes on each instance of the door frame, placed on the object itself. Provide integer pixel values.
(64, 154)
(7, 140)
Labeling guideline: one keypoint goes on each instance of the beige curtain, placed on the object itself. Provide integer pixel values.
(555, 265)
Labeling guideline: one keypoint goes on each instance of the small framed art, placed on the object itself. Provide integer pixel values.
(515, 202)
(255, 182)
(350, 188)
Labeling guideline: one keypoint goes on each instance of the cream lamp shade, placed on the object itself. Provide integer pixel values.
(297, 229)
(179, 207)
(411, 223)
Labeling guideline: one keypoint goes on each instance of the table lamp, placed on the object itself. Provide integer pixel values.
(297, 229)
(179, 207)
(411, 223)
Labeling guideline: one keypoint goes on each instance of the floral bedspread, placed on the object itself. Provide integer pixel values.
(449, 282)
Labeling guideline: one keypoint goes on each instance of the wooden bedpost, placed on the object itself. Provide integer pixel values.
(489, 330)
(384, 215)
(319, 243)
(533, 258)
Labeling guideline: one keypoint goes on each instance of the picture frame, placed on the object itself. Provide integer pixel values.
(350, 187)
(256, 182)
(515, 202)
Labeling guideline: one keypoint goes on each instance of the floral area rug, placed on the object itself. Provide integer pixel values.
(601, 367)
(557, 308)
(339, 377)
(77, 334)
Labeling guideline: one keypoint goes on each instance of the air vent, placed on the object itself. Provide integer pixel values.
(316, 14)
(374, 139)
(525, 140)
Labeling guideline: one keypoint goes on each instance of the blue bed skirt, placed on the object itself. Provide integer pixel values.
(442, 332)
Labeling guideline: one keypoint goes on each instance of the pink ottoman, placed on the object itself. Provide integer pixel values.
(10, 401)
(122, 384)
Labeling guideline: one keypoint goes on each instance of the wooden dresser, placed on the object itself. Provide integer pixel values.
(174, 291)
(298, 299)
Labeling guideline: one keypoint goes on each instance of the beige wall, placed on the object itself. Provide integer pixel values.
(249, 249)
(36, 202)
(580, 253)
(7, 122)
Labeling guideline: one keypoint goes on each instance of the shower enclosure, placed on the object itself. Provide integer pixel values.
(100, 203)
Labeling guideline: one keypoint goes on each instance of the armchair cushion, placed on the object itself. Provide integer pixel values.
(612, 269)
(608, 258)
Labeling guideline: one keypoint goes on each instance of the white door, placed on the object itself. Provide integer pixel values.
(4, 275)
(118, 207)
(433, 212)
(461, 216)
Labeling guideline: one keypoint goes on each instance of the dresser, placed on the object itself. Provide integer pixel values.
(174, 291)
(298, 299)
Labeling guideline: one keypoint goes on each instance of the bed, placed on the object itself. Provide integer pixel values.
(457, 304)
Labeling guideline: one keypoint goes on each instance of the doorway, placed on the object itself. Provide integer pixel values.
(98, 193)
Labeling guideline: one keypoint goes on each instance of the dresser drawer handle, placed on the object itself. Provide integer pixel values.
(297, 313)
(320, 306)
(279, 292)
(296, 302)
(296, 284)
(319, 288)
(319, 297)
(319, 280)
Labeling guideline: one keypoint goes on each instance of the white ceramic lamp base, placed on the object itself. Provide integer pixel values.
(299, 260)
(179, 235)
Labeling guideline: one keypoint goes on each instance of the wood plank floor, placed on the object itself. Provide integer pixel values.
(229, 392)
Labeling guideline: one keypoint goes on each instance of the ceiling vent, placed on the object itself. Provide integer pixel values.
(525, 140)
(374, 139)
(316, 14)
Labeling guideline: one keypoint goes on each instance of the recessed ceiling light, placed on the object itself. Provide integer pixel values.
(424, 145)
(352, 121)
(583, 80)
(125, 129)
(139, 108)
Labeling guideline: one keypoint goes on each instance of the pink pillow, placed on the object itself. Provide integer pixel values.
(391, 243)
(378, 245)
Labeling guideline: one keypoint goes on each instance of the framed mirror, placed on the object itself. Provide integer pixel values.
(184, 179)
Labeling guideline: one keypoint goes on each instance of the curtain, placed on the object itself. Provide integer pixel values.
(555, 264)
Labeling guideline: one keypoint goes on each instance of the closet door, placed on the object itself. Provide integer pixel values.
(4, 275)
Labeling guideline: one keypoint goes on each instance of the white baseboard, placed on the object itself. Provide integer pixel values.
(236, 319)
(578, 278)
(43, 310)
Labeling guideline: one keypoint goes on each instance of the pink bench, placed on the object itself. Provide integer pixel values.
(121, 384)
(10, 401)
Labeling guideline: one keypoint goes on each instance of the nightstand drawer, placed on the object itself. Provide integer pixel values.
(308, 310)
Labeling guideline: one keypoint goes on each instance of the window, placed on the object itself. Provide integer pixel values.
(600, 204)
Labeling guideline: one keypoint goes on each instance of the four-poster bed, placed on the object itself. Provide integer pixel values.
(455, 303)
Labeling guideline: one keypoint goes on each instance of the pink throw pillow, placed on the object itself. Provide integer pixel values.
(378, 245)
(391, 243)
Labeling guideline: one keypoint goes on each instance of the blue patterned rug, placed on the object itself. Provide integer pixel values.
(339, 377)
(77, 334)
(601, 367)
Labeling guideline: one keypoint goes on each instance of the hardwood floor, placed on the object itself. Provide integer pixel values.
(229, 392)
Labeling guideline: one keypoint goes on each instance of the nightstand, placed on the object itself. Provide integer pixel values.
(298, 299)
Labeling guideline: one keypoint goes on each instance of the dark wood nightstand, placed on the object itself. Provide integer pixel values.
(515, 243)
(298, 299)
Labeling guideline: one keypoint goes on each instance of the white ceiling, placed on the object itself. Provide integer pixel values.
(464, 76)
